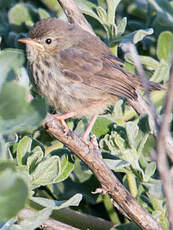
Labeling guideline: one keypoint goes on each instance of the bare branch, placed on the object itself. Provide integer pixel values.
(93, 159)
(74, 15)
(162, 150)
(70, 218)
(140, 105)
(49, 224)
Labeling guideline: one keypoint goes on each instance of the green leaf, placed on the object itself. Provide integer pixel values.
(13, 193)
(35, 157)
(51, 4)
(10, 61)
(136, 36)
(102, 15)
(12, 100)
(121, 26)
(111, 9)
(66, 168)
(46, 172)
(23, 150)
(56, 205)
(161, 72)
(117, 165)
(118, 140)
(34, 221)
(22, 14)
(101, 126)
(88, 8)
(165, 46)
(28, 115)
(149, 171)
(132, 132)
(149, 62)
(43, 13)
(140, 34)
(155, 187)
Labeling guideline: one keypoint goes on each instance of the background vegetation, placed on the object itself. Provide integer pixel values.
(39, 172)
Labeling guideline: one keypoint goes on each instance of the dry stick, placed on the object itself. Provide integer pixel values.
(110, 184)
(74, 15)
(163, 167)
(140, 105)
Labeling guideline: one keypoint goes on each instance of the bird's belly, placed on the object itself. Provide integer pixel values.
(66, 96)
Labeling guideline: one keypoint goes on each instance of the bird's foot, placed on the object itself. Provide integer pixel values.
(62, 118)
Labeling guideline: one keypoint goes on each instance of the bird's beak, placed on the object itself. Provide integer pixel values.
(29, 41)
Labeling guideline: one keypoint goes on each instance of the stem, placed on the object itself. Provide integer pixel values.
(110, 209)
(132, 184)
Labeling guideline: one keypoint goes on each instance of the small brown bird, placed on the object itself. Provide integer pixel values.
(76, 71)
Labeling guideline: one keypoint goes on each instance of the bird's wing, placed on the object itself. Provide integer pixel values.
(99, 72)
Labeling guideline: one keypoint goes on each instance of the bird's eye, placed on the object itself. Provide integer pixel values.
(48, 41)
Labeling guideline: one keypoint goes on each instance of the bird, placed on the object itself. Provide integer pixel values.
(76, 71)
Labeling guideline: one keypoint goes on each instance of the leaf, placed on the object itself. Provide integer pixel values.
(149, 171)
(140, 34)
(29, 116)
(13, 194)
(165, 46)
(56, 205)
(43, 13)
(155, 187)
(10, 61)
(35, 157)
(161, 72)
(88, 8)
(22, 14)
(50, 4)
(12, 100)
(117, 165)
(121, 26)
(34, 221)
(101, 126)
(46, 172)
(66, 168)
(23, 150)
(132, 132)
(136, 36)
(149, 62)
(118, 140)
(102, 15)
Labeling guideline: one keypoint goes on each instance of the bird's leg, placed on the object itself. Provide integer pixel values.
(63, 117)
(84, 137)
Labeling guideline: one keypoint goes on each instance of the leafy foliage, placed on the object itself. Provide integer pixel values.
(37, 171)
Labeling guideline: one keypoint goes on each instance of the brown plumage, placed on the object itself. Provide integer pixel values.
(75, 70)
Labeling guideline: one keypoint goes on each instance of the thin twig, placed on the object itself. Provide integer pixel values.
(163, 167)
(140, 105)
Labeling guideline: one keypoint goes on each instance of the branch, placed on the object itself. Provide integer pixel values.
(109, 183)
(74, 15)
(163, 150)
(140, 105)
(70, 218)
